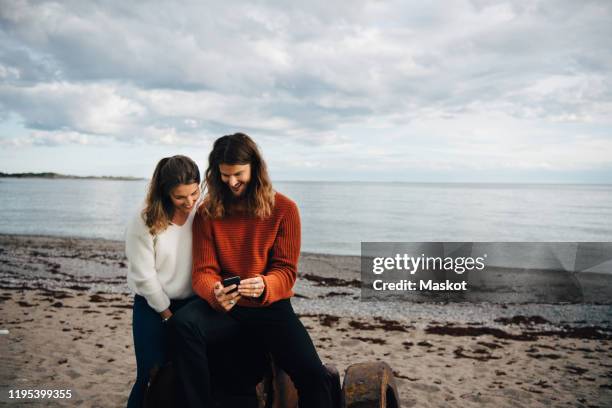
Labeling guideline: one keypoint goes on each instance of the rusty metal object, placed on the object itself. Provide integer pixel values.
(366, 385)
(284, 393)
(335, 387)
(264, 392)
(370, 385)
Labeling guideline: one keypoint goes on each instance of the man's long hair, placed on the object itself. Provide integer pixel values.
(259, 195)
(169, 173)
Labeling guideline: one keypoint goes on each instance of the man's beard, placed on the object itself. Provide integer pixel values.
(230, 198)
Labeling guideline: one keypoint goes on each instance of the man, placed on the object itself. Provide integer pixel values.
(245, 229)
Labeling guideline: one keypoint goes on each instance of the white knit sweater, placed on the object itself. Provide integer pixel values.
(159, 267)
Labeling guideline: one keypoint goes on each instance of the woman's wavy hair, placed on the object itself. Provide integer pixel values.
(169, 173)
(237, 149)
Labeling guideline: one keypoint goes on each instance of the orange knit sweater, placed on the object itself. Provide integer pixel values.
(248, 247)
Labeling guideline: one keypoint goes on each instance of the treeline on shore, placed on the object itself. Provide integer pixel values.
(51, 175)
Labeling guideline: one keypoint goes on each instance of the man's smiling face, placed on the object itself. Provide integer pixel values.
(236, 177)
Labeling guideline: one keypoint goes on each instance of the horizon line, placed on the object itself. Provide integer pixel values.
(60, 176)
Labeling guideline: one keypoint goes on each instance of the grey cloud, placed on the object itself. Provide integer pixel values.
(321, 65)
(25, 68)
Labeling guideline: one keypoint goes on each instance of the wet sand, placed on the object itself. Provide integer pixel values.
(68, 313)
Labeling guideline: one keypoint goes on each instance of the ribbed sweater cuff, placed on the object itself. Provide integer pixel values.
(270, 295)
(158, 301)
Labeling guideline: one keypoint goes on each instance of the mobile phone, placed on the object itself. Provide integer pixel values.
(234, 280)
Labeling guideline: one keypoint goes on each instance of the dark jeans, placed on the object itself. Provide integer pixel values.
(151, 343)
(275, 329)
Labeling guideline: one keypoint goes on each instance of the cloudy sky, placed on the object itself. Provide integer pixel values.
(510, 91)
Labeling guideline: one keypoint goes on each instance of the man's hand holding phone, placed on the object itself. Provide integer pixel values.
(252, 287)
(226, 293)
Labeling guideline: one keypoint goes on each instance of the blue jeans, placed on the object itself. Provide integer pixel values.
(151, 343)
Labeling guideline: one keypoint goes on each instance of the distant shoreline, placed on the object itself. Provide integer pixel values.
(56, 176)
(484, 184)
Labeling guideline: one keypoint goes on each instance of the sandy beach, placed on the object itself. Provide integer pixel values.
(67, 310)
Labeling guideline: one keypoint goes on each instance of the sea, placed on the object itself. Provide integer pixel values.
(337, 216)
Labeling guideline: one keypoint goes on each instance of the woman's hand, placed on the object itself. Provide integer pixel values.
(252, 287)
(226, 300)
(166, 314)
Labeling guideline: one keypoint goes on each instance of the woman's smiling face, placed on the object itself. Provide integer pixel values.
(184, 196)
(236, 177)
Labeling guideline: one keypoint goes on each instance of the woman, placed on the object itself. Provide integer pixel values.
(244, 228)
(158, 248)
